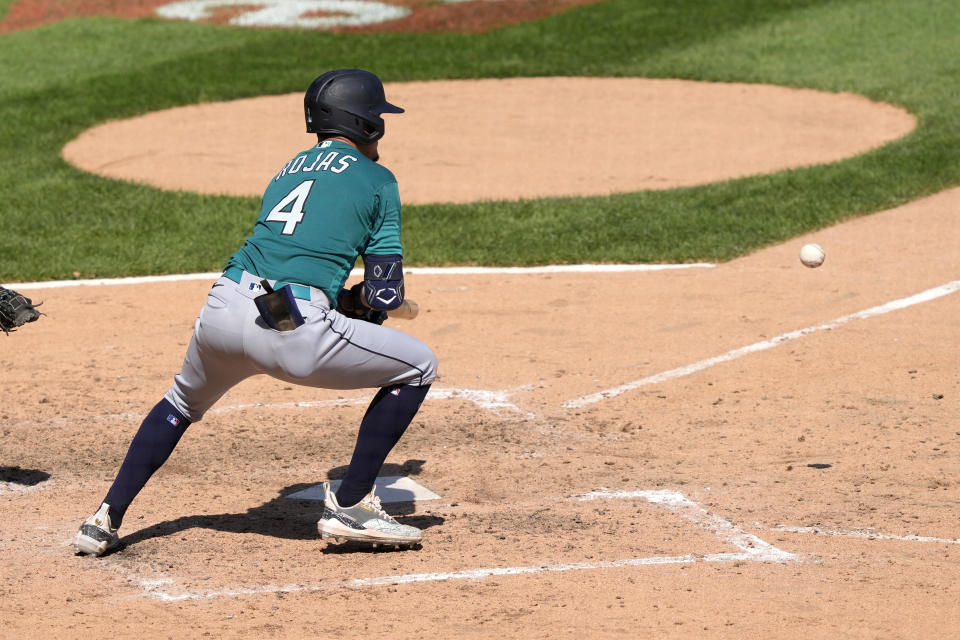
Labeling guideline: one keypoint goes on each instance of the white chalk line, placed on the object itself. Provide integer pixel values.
(679, 372)
(692, 511)
(426, 271)
(752, 549)
(489, 399)
(868, 534)
(155, 588)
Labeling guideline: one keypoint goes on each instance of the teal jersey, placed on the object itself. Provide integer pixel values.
(327, 206)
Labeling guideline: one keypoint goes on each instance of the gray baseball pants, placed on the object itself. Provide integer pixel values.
(231, 343)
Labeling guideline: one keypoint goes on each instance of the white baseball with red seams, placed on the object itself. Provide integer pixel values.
(812, 255)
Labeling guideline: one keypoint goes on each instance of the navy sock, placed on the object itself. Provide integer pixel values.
(159, 433)
(387, 417)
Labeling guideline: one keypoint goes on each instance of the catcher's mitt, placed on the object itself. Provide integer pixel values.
(16, 310)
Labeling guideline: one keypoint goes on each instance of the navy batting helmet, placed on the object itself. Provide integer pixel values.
(348, 103)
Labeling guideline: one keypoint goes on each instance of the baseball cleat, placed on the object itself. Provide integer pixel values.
(97, 535)
(365, 521)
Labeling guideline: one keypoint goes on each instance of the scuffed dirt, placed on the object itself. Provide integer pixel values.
(849, 429)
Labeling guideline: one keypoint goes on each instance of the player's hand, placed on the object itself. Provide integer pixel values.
(345, 302)
(350, 303)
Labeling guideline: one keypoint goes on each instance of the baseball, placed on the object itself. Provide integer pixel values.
(812, 255)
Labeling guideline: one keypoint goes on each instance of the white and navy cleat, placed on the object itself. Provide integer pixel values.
(365, 521)
(97, 535)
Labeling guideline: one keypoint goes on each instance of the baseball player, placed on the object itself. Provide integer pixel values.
(280, 309)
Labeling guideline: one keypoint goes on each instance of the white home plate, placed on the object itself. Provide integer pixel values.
(388, 489)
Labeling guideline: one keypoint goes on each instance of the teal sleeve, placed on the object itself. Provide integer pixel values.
(385, 239)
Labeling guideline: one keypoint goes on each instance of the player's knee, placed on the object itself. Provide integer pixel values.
(176, 396)
(429, 368)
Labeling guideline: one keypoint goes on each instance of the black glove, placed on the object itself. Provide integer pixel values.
(16, 310)
(350, 303)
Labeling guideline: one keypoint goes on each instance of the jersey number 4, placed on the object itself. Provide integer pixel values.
(289, 210)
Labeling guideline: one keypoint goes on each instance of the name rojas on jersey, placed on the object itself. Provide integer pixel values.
(323, 162)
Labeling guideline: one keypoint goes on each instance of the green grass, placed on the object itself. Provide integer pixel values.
(59, 80)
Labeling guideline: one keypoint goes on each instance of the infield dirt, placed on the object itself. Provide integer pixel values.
(849, 430)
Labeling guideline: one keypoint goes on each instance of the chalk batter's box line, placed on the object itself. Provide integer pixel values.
(750, 548)
(491, 400)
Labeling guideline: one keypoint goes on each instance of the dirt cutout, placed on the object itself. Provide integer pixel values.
(467, 140)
